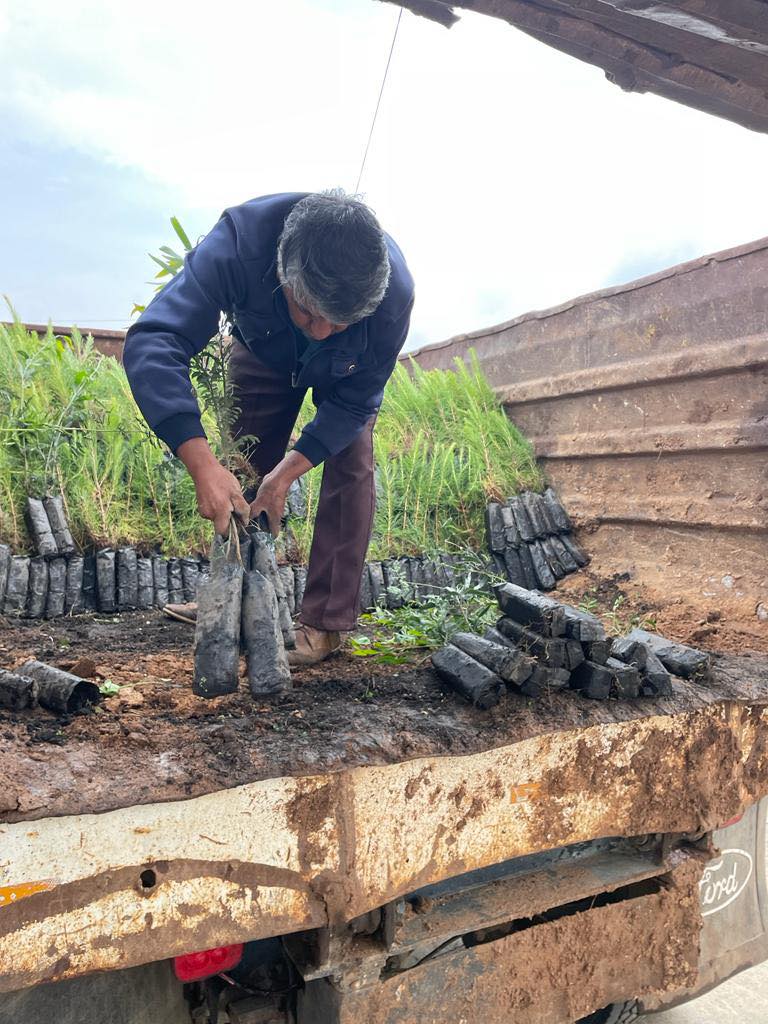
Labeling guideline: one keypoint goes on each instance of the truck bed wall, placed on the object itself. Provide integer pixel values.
(648, 407)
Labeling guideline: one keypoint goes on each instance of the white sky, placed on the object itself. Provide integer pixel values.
(513, 177)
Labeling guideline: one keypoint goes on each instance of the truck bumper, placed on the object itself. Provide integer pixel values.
(547, 970)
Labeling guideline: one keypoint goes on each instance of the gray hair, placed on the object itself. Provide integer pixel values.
(332, 254)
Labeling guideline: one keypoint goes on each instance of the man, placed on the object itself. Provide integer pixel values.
(318, 296)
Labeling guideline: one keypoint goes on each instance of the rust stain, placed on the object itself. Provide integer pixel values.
(525, 792)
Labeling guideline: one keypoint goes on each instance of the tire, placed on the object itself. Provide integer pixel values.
(616, 1013)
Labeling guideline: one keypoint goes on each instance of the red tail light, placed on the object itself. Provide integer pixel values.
(732, 821)
(206, 963)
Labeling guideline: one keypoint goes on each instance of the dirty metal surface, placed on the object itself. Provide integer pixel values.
(656, 420)
(405, 931)
(734, 903)
(707, 54)
(552, 972)
(138, 883)
(521, 896)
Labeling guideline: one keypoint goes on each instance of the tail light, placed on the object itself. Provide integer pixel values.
(732, 821)
(206, 963)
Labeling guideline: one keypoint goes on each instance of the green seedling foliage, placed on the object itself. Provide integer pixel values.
(397, 636)
(69, 425)
(169, 261)
(617, 619)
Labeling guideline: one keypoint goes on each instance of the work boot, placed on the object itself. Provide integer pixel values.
(312, 646)
(182, 612)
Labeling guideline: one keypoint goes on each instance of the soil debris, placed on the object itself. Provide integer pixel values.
(154, 740)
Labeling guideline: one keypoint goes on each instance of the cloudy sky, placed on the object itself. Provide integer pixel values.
(513, 177)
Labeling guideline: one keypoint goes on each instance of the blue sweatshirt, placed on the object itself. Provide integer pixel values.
(234, 270)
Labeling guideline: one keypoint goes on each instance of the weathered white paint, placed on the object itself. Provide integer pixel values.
(348, 841)
(246, 823)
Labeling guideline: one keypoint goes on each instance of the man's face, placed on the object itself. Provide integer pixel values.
(312, 326)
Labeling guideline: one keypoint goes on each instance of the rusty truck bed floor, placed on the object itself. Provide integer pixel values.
(155, 741)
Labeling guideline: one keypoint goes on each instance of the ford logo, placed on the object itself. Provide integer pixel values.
(724, 880)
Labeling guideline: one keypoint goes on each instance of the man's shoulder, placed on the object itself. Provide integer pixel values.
(259, 222)
(400, 290)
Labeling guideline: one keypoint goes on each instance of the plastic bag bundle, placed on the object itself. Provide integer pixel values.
(160, 575)
(54, 509)
(16, 588)
(190, 573)
(74, 587)
(38, 587)
(40, 528)
(217, 631)
(127, 579)
(106, 581)
(145, 593)
(262, 637)
(175, 582)
(263, 559)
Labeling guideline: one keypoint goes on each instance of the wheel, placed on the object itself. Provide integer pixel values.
(616, 1013)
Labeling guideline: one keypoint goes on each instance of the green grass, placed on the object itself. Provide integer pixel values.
(444, 448)
(68, 424)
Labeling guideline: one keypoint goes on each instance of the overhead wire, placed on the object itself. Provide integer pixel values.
(378, 101)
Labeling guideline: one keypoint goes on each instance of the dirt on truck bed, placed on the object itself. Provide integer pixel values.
(154, 740)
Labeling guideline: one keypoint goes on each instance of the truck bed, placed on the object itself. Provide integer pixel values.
(163, 823)
(155, 741)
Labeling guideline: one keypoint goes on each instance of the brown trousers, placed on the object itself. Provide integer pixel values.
(269, 405)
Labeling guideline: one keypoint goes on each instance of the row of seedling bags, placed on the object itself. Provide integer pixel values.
(112, 581)
(59, 580)
(530, 542)
(108, 581)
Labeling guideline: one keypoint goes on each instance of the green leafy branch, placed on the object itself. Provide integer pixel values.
(396, 635)
(169, 261)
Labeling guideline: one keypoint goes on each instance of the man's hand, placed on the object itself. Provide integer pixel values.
(218, 493)
(270, 497)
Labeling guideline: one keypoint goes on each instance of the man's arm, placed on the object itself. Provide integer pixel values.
(179, 323)
(218, 492)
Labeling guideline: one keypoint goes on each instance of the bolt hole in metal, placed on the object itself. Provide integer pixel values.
(147, 880)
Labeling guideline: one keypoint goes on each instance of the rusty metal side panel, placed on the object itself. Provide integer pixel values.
(648, 407)
(143, 883)
(108, 343)
(548, 973)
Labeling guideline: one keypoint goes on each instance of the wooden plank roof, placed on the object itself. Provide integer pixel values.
(707, 54)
